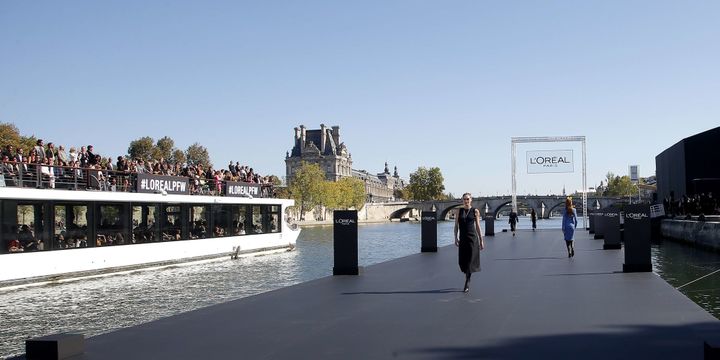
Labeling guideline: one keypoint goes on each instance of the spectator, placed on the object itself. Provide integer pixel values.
(92, 158)
(62, 158)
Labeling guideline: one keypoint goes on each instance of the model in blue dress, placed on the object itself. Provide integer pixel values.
(569, 224)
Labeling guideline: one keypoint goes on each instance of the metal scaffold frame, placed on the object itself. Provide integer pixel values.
(581, 139)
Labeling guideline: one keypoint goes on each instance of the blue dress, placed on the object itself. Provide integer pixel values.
(569, 223)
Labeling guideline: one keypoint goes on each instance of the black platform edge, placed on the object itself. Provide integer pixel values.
(637, 268)
(428, 249)
(54, 347)
(612, 246)
(348, 271)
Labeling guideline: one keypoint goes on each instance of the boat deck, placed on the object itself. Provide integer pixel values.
(529, 300)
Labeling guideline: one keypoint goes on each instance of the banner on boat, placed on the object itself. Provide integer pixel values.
(241, 189)
(147, 183)
(550, 161)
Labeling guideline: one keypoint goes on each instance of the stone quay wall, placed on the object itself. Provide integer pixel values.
(703, 234)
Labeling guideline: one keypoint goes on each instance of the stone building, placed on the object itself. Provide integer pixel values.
(323, 147)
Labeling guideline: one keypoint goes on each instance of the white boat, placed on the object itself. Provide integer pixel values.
(50, 235)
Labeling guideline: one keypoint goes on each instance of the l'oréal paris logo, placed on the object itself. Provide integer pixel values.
(344, 222)
(549, 161)
(428, 218)
(636, 216)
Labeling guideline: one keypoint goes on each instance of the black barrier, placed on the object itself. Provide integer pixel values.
(57, 346)
(638, 230)
(428, 231)
(599, 227)
(591, 221)
(610, 227)
(345, 242)
(489, 224)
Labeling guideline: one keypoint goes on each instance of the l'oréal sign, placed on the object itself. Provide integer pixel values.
(550, 161)
(241, 189)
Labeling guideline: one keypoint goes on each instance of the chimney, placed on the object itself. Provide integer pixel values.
(323, 138)
(336, 134)
(297, 137)
(302, 138)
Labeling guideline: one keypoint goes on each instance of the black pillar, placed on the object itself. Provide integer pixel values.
(489, 224)
(638, 231)
(610, 225)
(428, 231)
(55, 347)
(591, 221)
(345, 242)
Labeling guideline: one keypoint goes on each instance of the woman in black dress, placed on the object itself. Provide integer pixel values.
(470, 240)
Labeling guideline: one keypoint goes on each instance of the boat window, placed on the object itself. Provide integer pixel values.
(239, 213)
(274, 218)
(71, 226)
(171, 227)
(110, 226)
(257, 216)
(145, 223)
(198, 222)
(30, 227)
(222, 220)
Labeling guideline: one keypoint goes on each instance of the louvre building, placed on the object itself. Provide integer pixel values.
(323, 147)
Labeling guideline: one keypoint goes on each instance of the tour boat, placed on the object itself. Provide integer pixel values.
(51, 234)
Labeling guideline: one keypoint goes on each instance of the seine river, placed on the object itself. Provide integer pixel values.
(99, 305)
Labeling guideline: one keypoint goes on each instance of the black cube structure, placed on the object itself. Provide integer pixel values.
(638, 233)
(599, 224)
(591, 221)
(489, 224)
(428, 231)
(345, 242)
(55, 347)
(610, 224)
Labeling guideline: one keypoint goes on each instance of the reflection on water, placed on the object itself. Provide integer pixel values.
(100, 305)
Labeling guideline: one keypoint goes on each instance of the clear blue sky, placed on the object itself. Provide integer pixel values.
(414, 83)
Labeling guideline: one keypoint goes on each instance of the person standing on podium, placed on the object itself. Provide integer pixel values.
(468, 238)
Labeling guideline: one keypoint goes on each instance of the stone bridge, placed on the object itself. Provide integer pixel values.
(495, 203)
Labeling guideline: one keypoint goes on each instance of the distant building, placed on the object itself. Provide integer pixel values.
(323, 147)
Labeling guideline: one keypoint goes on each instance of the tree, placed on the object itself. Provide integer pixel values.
(306, 186)
(619, 186)
(164, 148)
(141, 148)
(10, 135)
(178, 156)
(198, 154)
(425, 184)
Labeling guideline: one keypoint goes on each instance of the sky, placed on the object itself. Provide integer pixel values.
(413, 83)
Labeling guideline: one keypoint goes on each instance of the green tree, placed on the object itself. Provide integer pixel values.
(425, 184)
(178, 156)
(164, 148)
(619, 186)
(141, 148)
(198, 154)
(307, 186)
(10, 135)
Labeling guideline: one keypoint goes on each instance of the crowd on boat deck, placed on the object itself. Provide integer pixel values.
(48, 166)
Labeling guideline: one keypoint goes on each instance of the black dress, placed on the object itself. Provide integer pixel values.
(469, 249)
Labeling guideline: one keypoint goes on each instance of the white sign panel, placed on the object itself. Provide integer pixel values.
(634, 173)
(550, 161)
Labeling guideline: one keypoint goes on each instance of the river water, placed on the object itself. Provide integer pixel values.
(95, 306)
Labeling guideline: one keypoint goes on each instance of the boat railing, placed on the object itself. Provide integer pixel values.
(40, 176)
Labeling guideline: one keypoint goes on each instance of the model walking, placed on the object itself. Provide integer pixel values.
(513, 219)
(533, 218)
(569, 224)
(468, 238)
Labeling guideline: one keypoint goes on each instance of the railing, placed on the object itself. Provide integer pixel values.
(41, 176)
